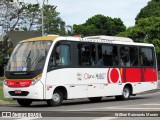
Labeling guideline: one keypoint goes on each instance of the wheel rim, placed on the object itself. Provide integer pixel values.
(56, 98)
(126, 93)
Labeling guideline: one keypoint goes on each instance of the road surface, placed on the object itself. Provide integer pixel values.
(149, 102)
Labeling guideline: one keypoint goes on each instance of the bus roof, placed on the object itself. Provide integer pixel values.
(49, 37)
(110, 38)
(96, 39)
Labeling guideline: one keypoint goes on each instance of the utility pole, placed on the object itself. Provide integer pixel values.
(42, 21)
(42, 15)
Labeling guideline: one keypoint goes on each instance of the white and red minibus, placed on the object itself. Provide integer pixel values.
(54, 68)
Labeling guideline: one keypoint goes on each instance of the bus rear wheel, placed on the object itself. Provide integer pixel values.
(24, 103)
(125, 94)
(57, 99)
(95, 99)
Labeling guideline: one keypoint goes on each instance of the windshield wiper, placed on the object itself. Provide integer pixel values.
(28, 61)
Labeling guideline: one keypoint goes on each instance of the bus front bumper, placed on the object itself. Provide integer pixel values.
(32, 92)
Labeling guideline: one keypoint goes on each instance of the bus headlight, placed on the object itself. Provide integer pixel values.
(5, 82)
(35, 80)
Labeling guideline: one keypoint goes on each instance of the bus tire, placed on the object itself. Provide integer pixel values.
(125, 94)
(95, 99)
(24, 102)
(57, 99)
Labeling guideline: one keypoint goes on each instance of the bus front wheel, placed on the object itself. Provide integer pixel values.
(125, 94)
(57, 99)
(24, 102)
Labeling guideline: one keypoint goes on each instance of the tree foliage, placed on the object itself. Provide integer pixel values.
(11, 14)
(53, 24)
(18, 15)
(151, 10)
(100, 25)
(146, 30)
(1, 58)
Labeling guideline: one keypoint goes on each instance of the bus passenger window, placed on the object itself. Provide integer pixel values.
(93, 55)
(146, 57)
(124, 59)
(133, 56)
(107, 55)
(100, 61)
(60, 56)
(87, 55)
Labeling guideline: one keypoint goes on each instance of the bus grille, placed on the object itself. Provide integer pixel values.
(24, 93)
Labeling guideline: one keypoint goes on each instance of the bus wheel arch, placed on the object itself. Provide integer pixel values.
(126, 93)
(59, 94)
(63, 90)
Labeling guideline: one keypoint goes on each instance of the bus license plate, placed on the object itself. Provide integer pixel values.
(18, 91)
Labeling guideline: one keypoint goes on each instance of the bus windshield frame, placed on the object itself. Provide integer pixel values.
(29, 56)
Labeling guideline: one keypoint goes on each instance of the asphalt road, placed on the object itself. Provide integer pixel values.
(108, 108)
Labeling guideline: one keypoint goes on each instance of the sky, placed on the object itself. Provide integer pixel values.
(78, 11)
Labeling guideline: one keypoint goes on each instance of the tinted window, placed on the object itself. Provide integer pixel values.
(133, 51)
(87, 55)
(107, 55)
(124, 56)
(146, 57)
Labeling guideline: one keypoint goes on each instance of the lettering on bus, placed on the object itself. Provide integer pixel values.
(88, 76)
(95, 40)
(79, 76)
(100, 75)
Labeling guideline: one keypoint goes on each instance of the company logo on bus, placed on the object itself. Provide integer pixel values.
(19, 83)
(114, 75)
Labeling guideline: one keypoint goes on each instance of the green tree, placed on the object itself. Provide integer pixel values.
(32, 15)
(146, 30)
(53, 24)
(1, 58)
(100, 25)
(18, 15)
(151, 10)
(11, 14)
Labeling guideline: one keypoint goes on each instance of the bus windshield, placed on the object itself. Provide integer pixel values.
(29, 56)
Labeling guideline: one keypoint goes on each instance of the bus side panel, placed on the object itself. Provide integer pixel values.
(150, 74)
(142, 79)
(131, 74)
(94, 82)
(68, 78)
(144, 86)
(138, 74)
(85, 82)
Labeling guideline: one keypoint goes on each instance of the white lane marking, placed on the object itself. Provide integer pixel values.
(151, 104)
(105, 118)
(136, 108)
(27, 118)
(117, 107)
(105, 107)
